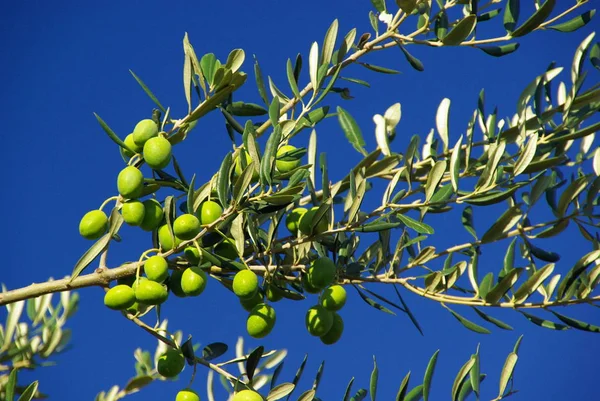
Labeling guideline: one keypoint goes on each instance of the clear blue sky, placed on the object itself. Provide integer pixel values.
(63, 60)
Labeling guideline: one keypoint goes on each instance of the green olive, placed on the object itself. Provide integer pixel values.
(334, 297)
(227, 249)
(130, 182)
(285, 163)
(175, 283)
(260, 321)
(247, 395)
(186, 226)
(321, 272)
(245, 284)
(238, 165)
(133, 212)
(131, 145)
(209, 212)
(187, 394)
(318, 320)
(119, 297)
(335, 332)
(306, 221)
(170, 363)
(165, 239)
(143, 131)
(156, 268)
(153, 214)
(150, 292)
(93, 224)
(193, 281)
(292, 220)
(157, 153)
(192, 255)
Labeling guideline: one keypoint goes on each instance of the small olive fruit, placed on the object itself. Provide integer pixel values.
(306, 221)
(119, 297)
(186, 226)
(193, 281)
(249, 304)
(318, 320)
(133, 212)
(335, 332)
(285, 163)
(238, 165)
(143, 131)
(153, 214)
(260, 321)
(150, 292)
(292, 220)
(321, 272)
(247, 395)
(170, 363)
(166, 240)
(156, 268)
(187, 394)
(308, 287)
(131, 145)
(209, 212)
(245, 284)
(130, 182)
(192, 255)
(273, 293)
(93, 224)
(157, 153)
(227, 249)
(334, 297)
(175, 283)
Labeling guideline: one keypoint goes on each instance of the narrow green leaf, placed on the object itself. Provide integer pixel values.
(148, 92)
(461, 31)
(467, 323)
(511, 15)
(509, 258)
(298, 374)
(576, 271)
(260, 82)
(535, 20)
(292, 79)
(115, 138)
(408, 312)
(493, 197)
(412, 60)
(467, 221)
(577, 324)
(329, 43)
(507, 372)
(373, 381)
(357, 81)
(502, 226)
(10, 385)
(235, 59)
(242, 109)
(242, 183)
(415, 394)
(500, 289)
(460, 376)
(89, 255)
(434, 178)
(379, 5)
(372, 303)
(351, 130)
(486, 285)
(499, 51)
(253, 360)
(318, 376)
(574, 23)
(29, 392)
(403, 388)
(377, 68)
(187, 81)
(308, 395)
(571, 193)
(313, 65)
(213, 351)
(526, 155)
(274, 111)
(280, 391)
(474, 377)
(268, 160)
(348, 389)
(466, 389)
(441, 121)
(543, 322)
(223, 183)
(429, 375)
(532, 283)
(498, 323)
(418, 226)
(455, 164)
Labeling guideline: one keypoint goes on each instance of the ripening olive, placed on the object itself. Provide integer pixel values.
(93, 224)
(143, 131)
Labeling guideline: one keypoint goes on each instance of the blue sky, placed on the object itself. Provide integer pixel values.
(65, 60)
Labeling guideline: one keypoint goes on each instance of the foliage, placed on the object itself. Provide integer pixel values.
(541, 157)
